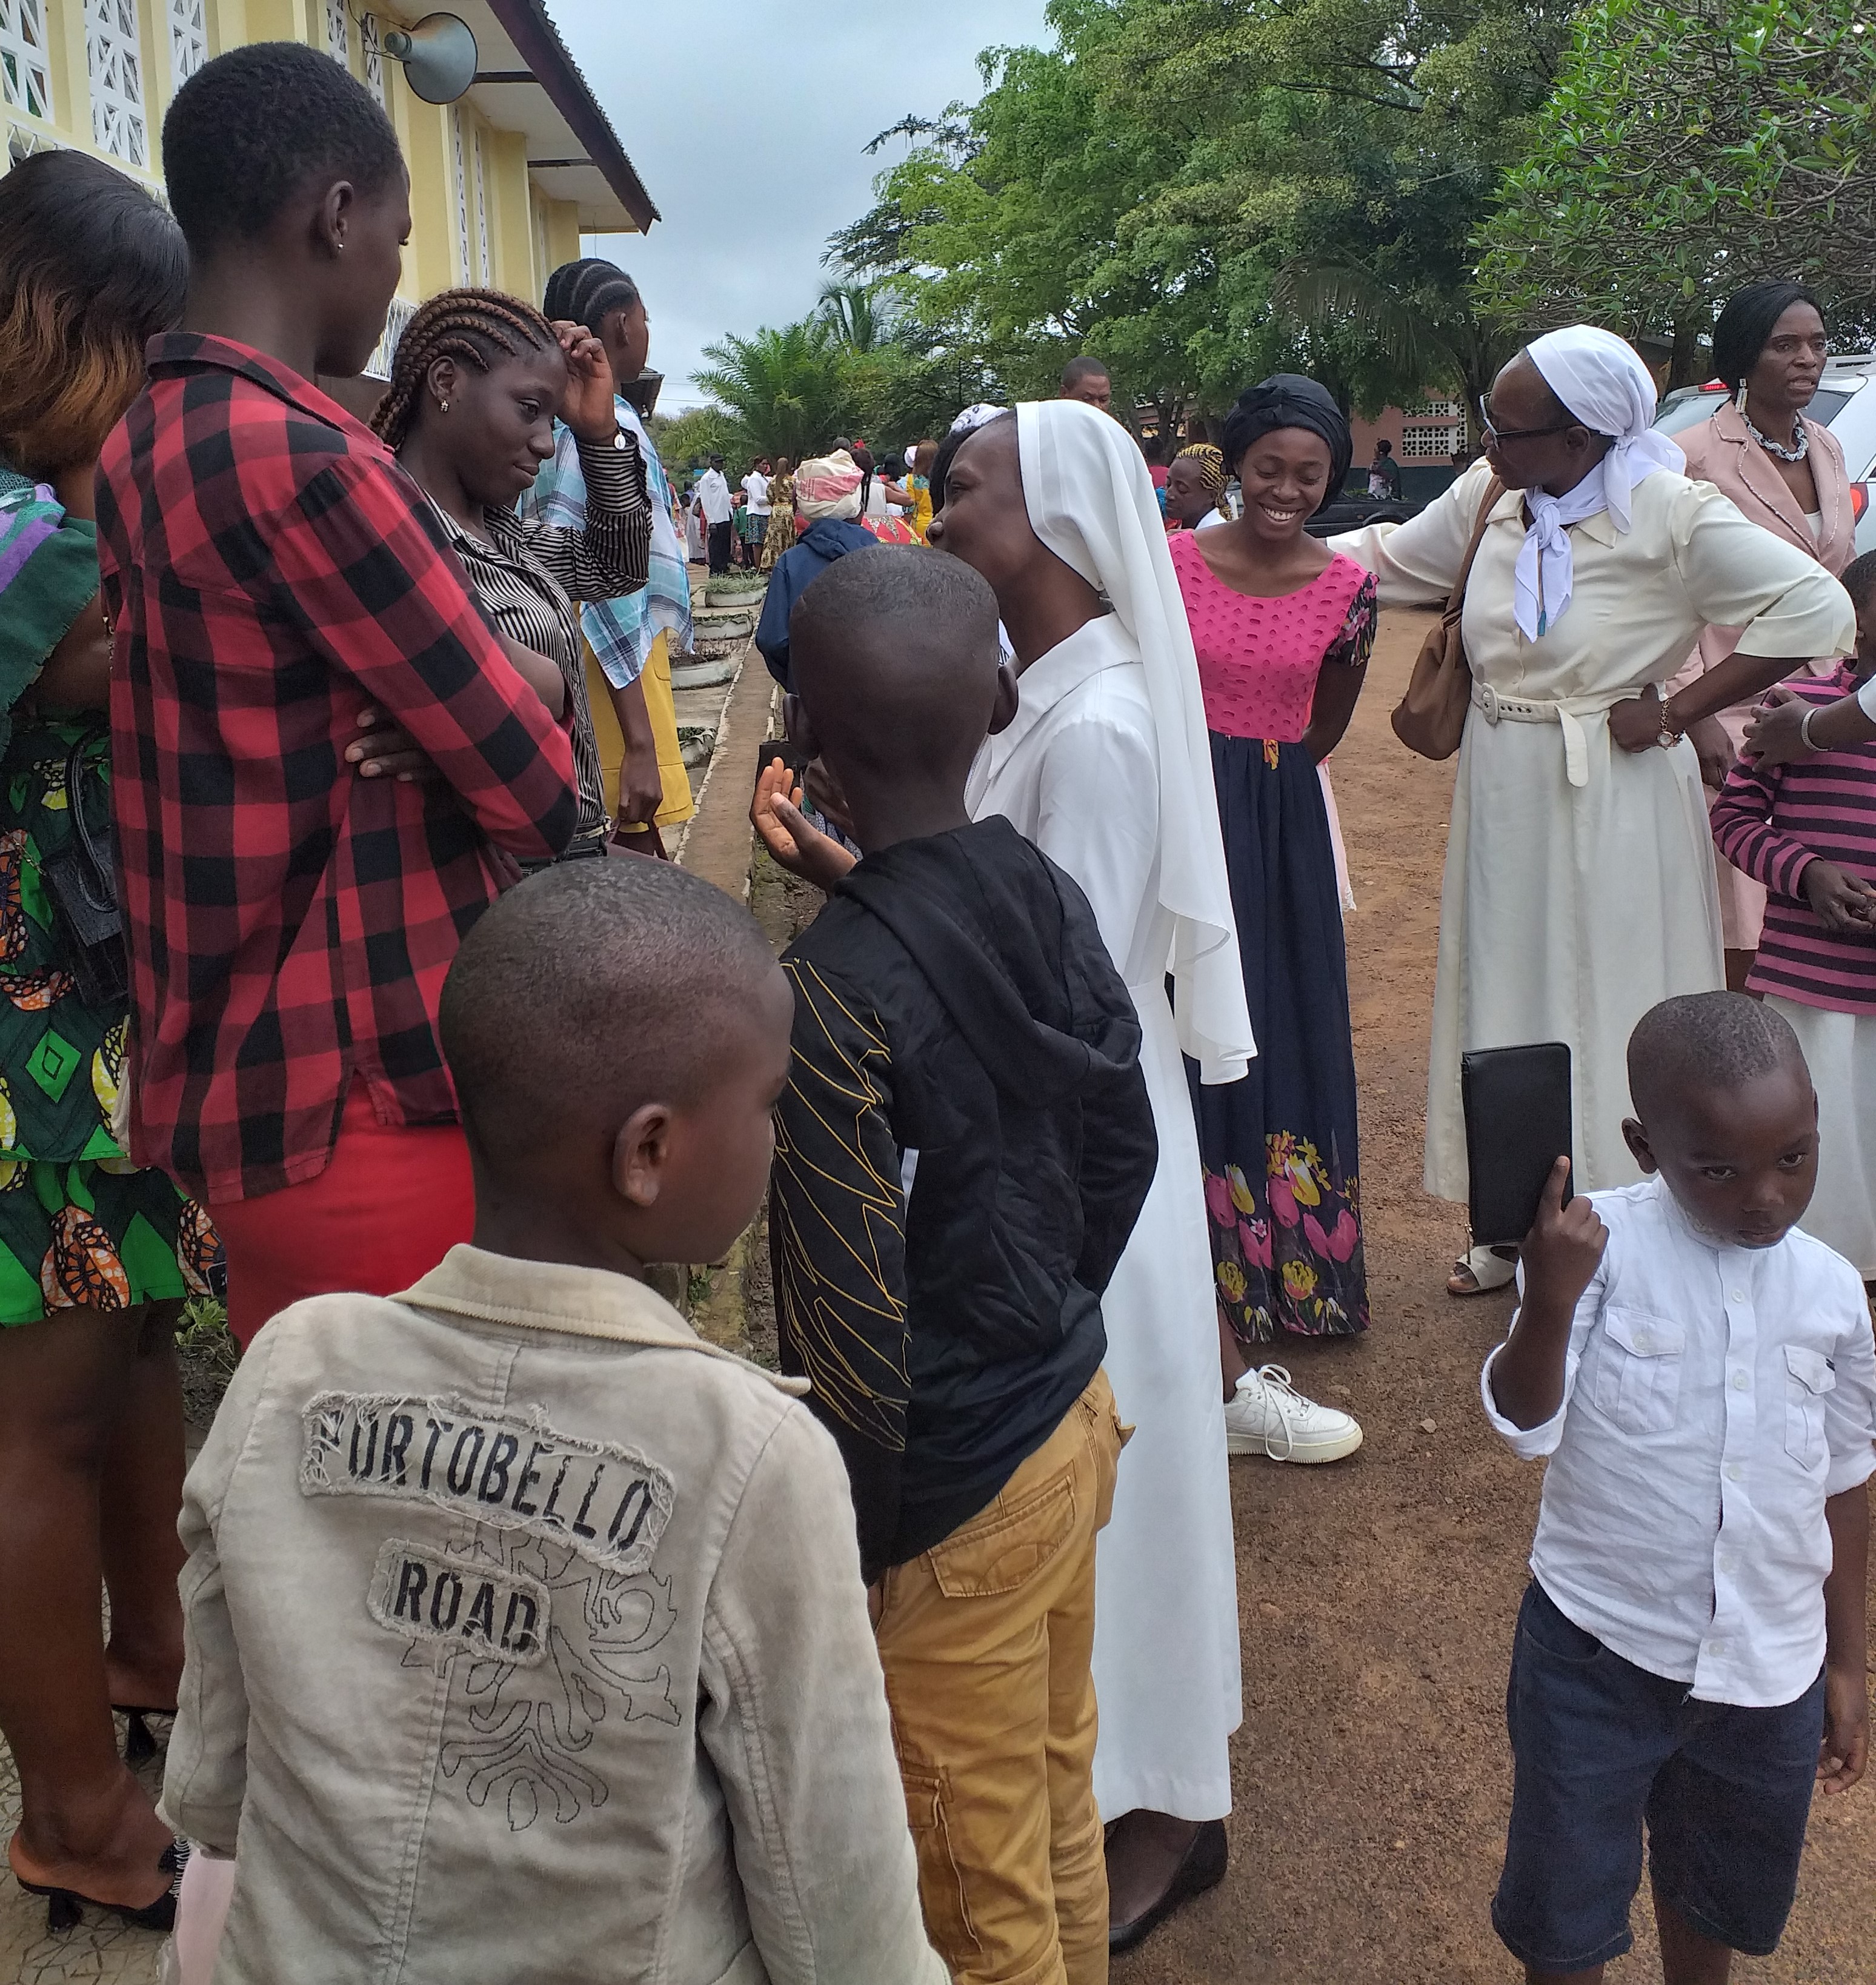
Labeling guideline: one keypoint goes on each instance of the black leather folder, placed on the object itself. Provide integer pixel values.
(1517, 1103)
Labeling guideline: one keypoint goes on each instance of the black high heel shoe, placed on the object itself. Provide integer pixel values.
(1202, 1866)
(64, 1908)
(139, 1743)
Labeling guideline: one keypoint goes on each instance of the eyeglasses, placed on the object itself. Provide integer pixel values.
(1501, 434)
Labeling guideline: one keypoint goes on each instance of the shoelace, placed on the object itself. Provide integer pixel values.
(1276, 1381)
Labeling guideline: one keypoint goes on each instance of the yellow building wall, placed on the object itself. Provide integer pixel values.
(528, 234)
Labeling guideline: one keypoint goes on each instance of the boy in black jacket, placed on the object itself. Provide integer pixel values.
(962, 1151)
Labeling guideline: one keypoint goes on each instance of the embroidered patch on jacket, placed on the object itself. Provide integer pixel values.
(421, 1593)
(508, 1468)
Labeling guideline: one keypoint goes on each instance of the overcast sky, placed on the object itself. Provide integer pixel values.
(748, 124)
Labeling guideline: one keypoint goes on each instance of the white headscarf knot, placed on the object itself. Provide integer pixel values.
(1602, 382)
(1090, 501)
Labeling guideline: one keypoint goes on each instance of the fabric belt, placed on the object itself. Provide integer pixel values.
(1567, 711)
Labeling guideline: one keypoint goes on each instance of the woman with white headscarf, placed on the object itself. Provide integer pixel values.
(1107, 769)
(1579, 886)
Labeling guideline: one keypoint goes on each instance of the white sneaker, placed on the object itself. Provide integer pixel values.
(1268, 1416)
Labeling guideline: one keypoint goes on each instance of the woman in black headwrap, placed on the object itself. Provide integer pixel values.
(1283, 626)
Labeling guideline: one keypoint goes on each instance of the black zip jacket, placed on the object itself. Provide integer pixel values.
(964, 1146)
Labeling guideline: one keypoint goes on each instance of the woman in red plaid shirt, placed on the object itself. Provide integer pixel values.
(282, 594)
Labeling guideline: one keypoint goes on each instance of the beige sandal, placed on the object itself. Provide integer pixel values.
(1482, 1271)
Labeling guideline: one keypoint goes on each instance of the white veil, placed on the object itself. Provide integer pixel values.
(1090, 501)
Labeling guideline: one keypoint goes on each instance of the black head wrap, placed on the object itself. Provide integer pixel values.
(1287, 400)
(1746, 322)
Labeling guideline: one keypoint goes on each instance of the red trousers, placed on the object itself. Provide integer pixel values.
(392, 1203)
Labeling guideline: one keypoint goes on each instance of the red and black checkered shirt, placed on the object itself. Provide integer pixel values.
(271, 572)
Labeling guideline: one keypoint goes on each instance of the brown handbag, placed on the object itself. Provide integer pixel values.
(1430, 718)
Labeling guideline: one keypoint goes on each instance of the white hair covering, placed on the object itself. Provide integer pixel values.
(1602, 382)
(1090, 501)
(974, 416)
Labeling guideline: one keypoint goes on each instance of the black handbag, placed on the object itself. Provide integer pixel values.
(81, 883)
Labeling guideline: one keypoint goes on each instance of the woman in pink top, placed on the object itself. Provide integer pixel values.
(1283, 627)
(1786, 471)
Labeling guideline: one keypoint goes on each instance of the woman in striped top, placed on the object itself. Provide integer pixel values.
(476, 387)
(1806, 829)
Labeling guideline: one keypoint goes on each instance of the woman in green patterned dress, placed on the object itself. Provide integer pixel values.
(95, 1255)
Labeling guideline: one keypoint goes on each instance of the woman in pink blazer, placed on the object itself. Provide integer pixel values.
(1786, 471)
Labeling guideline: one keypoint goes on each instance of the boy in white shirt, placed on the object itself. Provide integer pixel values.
(1691, 1653)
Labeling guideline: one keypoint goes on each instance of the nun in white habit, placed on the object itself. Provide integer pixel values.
(1107, 769)
(1579, 887)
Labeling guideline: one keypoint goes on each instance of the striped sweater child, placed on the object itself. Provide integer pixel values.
(1792, 826)
(1774, 821)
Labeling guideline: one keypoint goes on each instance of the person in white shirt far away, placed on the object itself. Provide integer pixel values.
(1691, 1651)
(712, 497)
(754, 508)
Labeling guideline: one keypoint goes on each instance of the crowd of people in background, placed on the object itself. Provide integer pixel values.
(328, 972)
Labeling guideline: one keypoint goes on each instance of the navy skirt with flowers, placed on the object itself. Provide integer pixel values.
(1281, 1176)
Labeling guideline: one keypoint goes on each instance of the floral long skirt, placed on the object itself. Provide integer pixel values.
(1281, 1176)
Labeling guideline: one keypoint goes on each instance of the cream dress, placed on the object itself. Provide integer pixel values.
(1078, 773)
(1579, 887)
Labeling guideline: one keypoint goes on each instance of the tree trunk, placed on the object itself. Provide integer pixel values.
(1684, 366)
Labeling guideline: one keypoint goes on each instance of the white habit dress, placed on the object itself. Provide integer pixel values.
(1078, 772)
(1579, 886)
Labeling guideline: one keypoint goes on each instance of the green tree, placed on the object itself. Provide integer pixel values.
(787, 392)
(858, 316)
(683, 440)
(1205, 190)
(1690, 146)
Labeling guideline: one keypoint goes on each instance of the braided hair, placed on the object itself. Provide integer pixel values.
(480, 326)
(588, 292)
(1211, 463)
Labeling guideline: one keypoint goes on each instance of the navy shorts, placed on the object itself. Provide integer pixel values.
(1602, 1746)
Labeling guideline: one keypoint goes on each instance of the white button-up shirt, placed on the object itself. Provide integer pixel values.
(1714, 1397)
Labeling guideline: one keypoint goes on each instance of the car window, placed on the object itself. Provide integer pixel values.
(1698, 406)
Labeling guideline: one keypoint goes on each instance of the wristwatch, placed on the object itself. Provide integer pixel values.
(1671, 733)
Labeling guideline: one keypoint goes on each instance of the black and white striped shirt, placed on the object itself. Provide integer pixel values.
(527, 575)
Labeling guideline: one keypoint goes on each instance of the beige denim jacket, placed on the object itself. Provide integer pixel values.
(526, 1644)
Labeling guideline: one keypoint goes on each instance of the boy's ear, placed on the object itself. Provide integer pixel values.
(1639, 1148)
(640, 1152)
(796, 728)
(1003, 712)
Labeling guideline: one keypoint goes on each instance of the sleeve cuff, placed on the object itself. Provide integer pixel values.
(1527, 1443)
(1849, 1471)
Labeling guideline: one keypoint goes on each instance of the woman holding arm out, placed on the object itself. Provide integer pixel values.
(1579, 885)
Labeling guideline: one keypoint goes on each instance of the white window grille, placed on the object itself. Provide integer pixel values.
(188, 38)
(1431, 443)
(338, 33)
(379, 367)
(1435, 410)
(482, 218)
(114, 57)
(25, 78)
(372, 46)
(462, 232)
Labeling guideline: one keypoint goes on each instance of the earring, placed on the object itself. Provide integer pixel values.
(1740, 400)
(442, 406)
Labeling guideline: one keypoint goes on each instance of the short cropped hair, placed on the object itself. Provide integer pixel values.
(92, 268)
(628, 974)
(1086, 367)
(250, 128)
(1706, 1041)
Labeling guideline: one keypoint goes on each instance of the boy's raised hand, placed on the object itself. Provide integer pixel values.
(792, 843)
(1564, 1249)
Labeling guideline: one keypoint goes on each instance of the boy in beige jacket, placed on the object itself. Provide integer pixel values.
(526, 1635)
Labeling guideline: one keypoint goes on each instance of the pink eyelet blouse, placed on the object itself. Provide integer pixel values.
(1258, 659)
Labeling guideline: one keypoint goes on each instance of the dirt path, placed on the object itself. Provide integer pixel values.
(1372, 1774)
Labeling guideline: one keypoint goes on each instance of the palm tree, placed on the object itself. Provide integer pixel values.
(859, 315)
(787, 390)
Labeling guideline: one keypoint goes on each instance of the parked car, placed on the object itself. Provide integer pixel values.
(1350, 512)
(1845, 403)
